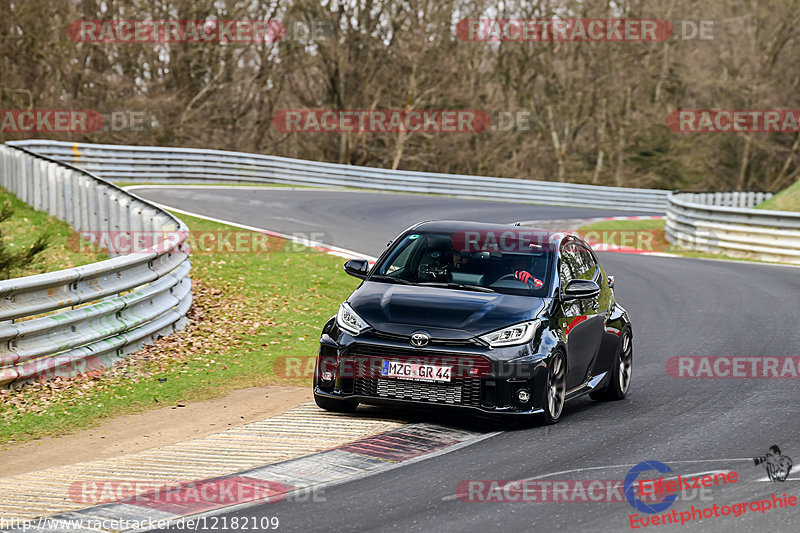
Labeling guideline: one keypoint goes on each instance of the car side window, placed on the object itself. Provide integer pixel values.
(568, 263)
(588, 264)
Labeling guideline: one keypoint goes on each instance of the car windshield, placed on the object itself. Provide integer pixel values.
(509, 262)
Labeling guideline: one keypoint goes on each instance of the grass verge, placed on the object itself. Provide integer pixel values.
(786, 200)
(251, 312)
(26, 224)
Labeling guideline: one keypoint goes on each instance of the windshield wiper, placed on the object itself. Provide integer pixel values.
(460, 286)
(391, 279)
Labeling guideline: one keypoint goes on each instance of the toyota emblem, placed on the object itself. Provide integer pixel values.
(420, 339)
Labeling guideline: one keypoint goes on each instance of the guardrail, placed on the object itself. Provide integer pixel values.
(149, 163)
(717, 222)
(722, 223)
(71, 321)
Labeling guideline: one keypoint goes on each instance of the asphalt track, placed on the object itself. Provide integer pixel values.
(679, 307)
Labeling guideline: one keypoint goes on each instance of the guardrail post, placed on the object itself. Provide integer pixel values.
(123, 214)
(101, 223)
(88, 205)
(113, 210)
(7, 166)
(160, 223)
(4, 159)
(124, 218)
(35, 192)
(61, 195)
(71, 195)
(25, 181)
(14, 169)
(11, 168)
(137, 215)
(52, 189)
(18, 170)
(18, 185)
(44, 187)
(137, 224)
(30, 181)
(113, 219)
(148, 214)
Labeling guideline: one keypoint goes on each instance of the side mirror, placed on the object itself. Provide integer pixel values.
(581, 288)
(357, 268)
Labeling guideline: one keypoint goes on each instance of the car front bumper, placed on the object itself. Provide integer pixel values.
(483, 380)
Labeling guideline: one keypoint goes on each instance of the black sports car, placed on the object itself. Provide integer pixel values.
(493, 318)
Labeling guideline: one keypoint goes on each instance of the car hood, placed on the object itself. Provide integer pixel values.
(443, 313)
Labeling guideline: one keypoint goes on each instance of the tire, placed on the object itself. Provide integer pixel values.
(335, 406)
(621, 372)
(555, 389)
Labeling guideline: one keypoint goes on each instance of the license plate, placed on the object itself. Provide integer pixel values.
(416, 372)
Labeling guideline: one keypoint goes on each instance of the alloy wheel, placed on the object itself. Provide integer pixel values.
(625, 362)
(556, 387)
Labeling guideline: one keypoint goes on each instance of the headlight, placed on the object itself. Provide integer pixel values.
(512, 335)
(348, 320)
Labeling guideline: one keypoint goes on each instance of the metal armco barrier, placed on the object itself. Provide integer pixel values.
(75, 320)
(726, 223)
(717, 222)
(149, 163)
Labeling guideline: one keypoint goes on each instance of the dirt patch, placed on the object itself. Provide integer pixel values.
(168, 425)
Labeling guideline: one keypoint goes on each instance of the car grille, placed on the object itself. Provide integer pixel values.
(458, 392)
(463, 389)
(433, 341)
